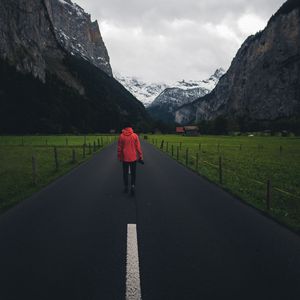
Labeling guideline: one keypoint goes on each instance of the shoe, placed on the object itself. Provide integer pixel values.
(125, 191)
(132, 190)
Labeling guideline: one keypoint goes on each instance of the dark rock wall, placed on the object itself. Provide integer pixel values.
(263, 81)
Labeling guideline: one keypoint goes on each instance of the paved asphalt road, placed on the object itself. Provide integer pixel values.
(195, 241)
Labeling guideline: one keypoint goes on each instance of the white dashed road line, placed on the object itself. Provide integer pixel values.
(133, 284)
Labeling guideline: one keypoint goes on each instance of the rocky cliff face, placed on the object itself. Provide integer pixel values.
(28, 41)
(25, 28)
(36, 34)
(45, 87)
(78, 34)
(263, 81)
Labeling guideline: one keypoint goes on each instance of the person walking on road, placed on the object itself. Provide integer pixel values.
(129, 153)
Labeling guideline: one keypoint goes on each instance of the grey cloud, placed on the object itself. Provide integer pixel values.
(173, 39)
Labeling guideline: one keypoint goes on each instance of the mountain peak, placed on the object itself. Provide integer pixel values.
(219, 73)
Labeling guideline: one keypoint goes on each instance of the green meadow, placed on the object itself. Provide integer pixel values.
(262, 171)
(28, 163)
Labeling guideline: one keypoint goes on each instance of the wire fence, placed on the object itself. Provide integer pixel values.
(213, 162)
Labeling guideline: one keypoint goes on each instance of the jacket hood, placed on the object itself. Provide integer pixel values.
(127, 131)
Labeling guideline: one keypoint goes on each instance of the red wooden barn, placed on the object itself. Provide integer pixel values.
(180, 130)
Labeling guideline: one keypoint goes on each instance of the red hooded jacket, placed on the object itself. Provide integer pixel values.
(129, 147)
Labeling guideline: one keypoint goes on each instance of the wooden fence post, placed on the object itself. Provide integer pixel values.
(84, 140)
(220, 170)
(200, 146)
(90, 148)
(83, 150)
(46, 142)
(98, 141)
(34, 173)
(187, 157)
(269, 194)
(94, 147)
(162, 145)
(56, 159)
(172, 150)
(280, 149)
(197, 161)
(73, 156)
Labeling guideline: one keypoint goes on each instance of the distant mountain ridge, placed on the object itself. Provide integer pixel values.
(183, 92)
(147, 92)
(144, 91)
(263, 81)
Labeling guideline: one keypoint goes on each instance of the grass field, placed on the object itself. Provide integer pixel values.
(17, 179)
(247, 164)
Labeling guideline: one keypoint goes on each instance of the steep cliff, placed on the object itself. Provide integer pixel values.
(44, 87)
(263, 81)
(78, 34)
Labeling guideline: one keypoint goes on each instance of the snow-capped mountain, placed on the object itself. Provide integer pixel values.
(78, 34)
(146, 92)
(181, 93)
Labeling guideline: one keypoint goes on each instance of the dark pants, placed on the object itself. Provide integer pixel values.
(132, 171)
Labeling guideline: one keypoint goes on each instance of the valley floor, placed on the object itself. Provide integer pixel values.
(180, 237)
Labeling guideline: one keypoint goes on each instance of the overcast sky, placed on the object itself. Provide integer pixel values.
(167, 40)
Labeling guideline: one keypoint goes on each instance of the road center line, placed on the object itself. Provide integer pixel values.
(133, 284)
